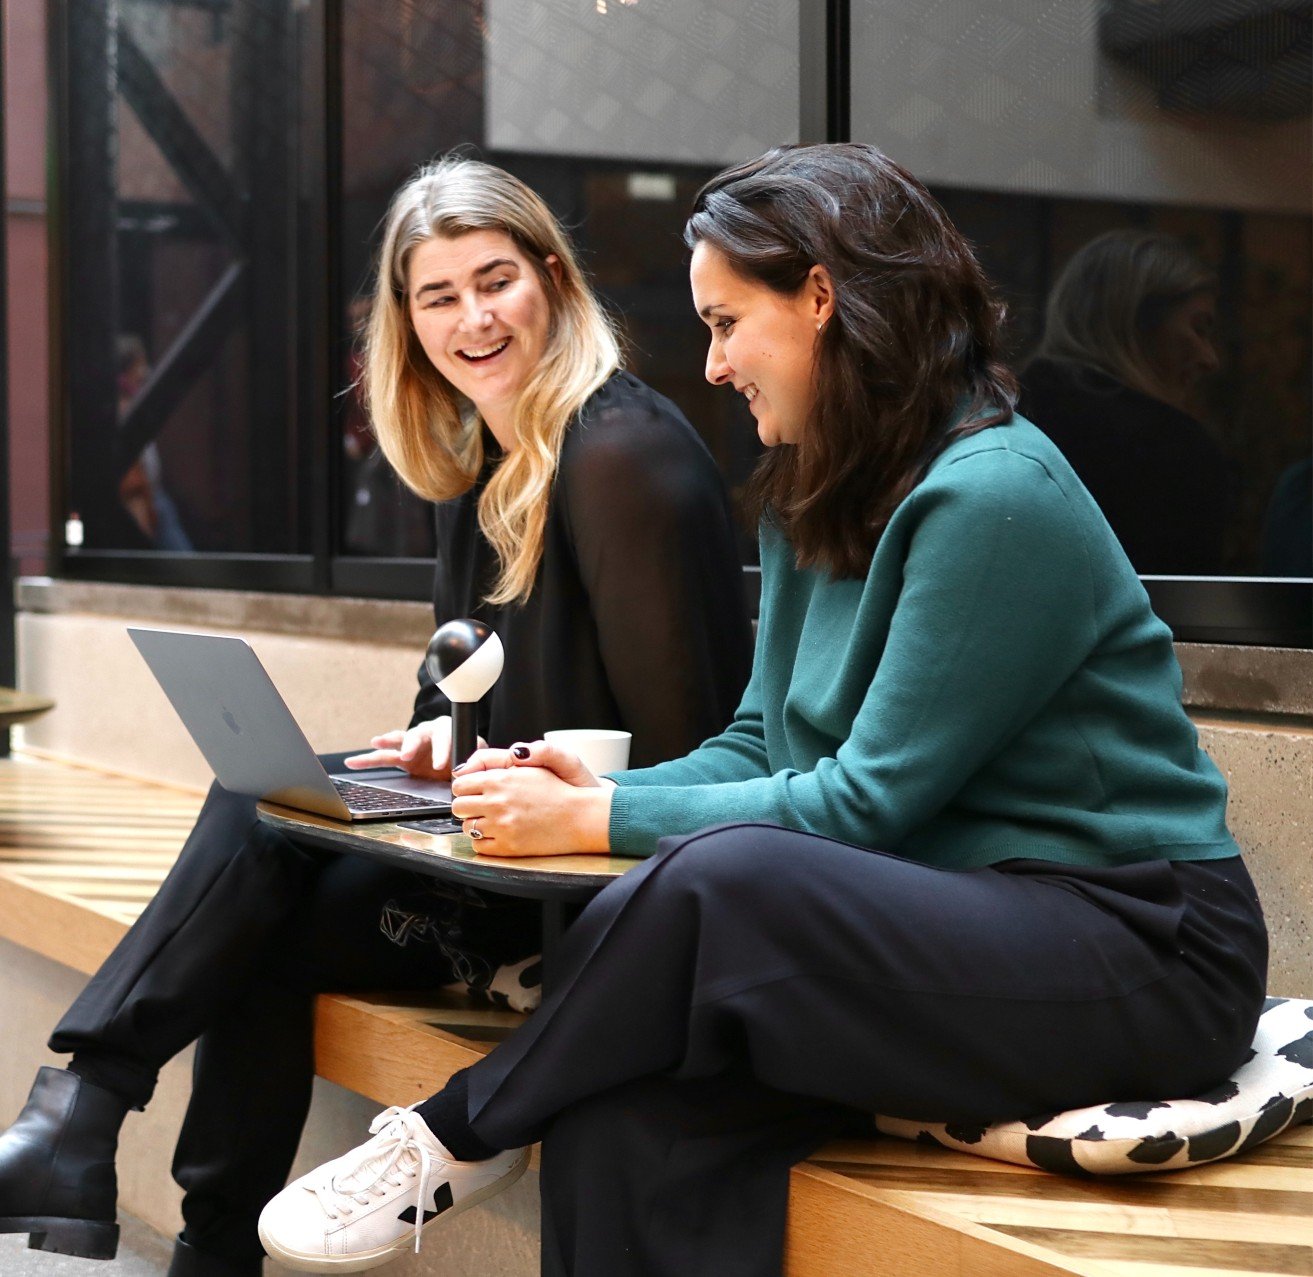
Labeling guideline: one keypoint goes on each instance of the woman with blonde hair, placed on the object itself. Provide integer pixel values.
(578, 515)
(1128, 342)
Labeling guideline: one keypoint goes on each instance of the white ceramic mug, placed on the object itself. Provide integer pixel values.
(600, 749)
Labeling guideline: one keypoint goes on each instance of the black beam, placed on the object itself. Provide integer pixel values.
(824, 43)
(187, 152)
(262, 77)
(7, 662)
(84, 253)
(192, 352)
(217, 7)
(1262, 612)
(325, 343)
(287, 574)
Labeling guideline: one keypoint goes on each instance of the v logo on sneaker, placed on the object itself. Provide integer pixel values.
(442, 1200)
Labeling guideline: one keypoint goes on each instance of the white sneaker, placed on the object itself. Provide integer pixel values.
(358, 1211)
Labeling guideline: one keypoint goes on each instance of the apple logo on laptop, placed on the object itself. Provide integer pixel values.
(231, 721)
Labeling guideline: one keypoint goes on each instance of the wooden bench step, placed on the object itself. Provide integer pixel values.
(82, 852)
(927, 1210)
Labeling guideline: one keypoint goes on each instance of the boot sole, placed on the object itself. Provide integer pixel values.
(80, 1238)
(363, 1260)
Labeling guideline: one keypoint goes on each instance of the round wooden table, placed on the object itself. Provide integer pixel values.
(555, 881)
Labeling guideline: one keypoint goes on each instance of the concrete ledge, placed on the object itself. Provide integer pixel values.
(1250, 680)
(306, 615)
(1254, 680)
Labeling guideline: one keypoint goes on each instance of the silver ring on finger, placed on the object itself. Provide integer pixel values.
(474, 831)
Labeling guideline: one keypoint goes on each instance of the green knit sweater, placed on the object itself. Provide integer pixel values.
(996, 687)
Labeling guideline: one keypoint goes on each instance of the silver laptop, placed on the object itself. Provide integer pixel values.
(234, 713)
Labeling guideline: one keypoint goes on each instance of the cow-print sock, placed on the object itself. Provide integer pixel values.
(446, 1114)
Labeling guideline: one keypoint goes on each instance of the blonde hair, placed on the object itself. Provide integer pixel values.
(1111, 295)
(428, 431)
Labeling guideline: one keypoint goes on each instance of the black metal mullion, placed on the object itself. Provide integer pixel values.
(263, 62)
(378, 578)
(838, 52)
(277, 573)
(1267, 613)
(89, 281)
(7, 663)
(330, 340)
(824, 43)
(57, 504)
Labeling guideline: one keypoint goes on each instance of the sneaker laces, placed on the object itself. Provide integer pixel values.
(400, 1149)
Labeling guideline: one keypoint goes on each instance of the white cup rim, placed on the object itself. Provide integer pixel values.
(592, 733)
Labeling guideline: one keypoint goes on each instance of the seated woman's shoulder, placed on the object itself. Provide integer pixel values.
(625, 428)
(1005, 462)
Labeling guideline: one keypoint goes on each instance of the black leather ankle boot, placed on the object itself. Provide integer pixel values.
(57, 1180)
(190, 1262)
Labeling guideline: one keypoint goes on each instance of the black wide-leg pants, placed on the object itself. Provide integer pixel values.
(722, 1010)
(243, 932)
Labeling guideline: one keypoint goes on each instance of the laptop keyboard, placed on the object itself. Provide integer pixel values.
(371, 798)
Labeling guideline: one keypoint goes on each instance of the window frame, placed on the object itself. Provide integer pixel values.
(1235, 610)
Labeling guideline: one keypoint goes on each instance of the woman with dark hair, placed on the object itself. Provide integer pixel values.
(1128, 341)
(958, 856)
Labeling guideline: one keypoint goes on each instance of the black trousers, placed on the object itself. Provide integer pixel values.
(242, 934)
(750, 991)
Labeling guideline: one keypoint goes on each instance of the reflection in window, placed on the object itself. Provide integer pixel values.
(1066, 147)
(1117, 381)
(177, 312)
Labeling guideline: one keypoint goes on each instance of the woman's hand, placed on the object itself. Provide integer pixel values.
(424, 751)
(531, 800)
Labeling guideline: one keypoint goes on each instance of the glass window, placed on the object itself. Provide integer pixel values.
(615, 111)
(178, 274)
(1136, 177)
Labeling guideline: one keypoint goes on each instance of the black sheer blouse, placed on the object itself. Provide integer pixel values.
(637, 617)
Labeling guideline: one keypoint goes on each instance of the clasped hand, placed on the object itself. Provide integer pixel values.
(531, 800)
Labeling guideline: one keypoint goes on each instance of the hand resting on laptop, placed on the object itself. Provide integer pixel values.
(424, 751)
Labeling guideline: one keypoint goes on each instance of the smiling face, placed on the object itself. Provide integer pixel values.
(763, 343)
(1180, 350)
(482, 315)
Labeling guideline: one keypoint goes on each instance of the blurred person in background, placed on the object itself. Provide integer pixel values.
(142, 490)
(1115, 382)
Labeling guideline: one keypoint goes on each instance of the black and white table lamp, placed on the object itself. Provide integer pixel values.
(464, 659)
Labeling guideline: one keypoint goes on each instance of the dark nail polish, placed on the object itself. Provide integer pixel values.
(520, 751)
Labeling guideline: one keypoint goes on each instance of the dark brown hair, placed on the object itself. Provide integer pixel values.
(908, 361)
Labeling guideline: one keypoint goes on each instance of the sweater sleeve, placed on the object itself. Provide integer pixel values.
(652, 536)
(995, 613)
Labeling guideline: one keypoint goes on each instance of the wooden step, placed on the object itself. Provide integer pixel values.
(82, 852)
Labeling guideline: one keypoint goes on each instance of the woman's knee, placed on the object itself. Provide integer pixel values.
(739, 859)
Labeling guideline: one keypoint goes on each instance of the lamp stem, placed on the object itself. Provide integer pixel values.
(464, 731)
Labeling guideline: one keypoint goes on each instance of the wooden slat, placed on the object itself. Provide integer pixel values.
(81, 854)
(1245, 1215)
(391, 1053)
(840, 1229)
